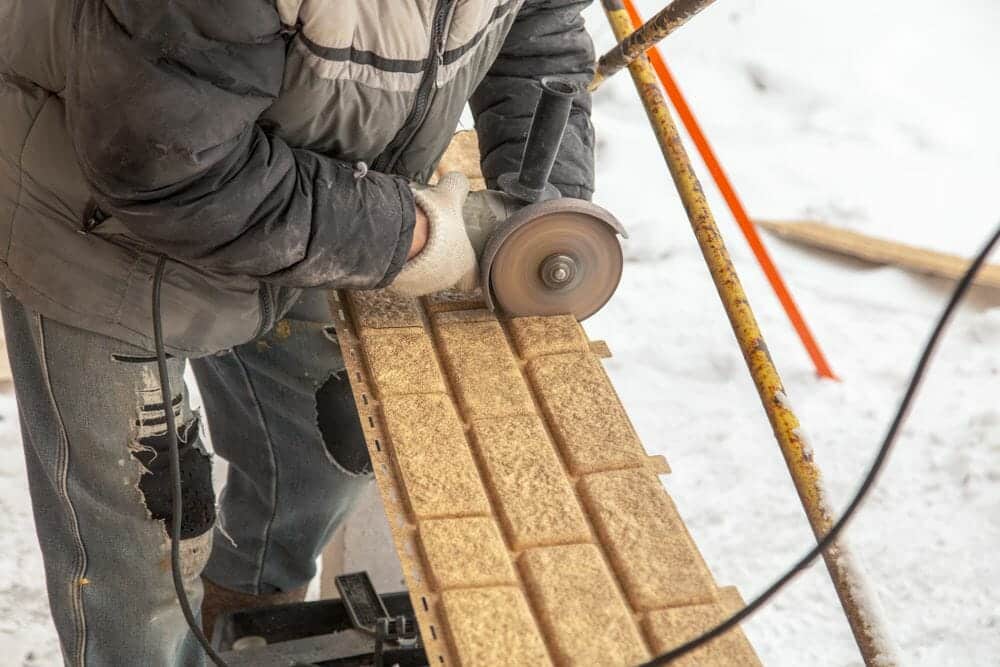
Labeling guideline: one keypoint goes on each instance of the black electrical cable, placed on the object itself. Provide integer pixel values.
(175, 469)
(870, 478)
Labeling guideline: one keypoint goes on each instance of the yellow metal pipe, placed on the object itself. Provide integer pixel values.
(798, 456)
(666, 21)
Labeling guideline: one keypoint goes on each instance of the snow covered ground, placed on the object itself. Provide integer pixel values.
(878, 117)
(871, 116)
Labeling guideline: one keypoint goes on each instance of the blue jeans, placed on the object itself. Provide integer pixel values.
(279, 410)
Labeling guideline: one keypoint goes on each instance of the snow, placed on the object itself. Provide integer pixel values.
(878, 117)
(885, 652)
(870, 116)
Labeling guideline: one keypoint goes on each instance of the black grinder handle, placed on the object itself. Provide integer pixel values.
(531, 183)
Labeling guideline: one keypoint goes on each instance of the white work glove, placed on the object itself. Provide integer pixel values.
(447, 261)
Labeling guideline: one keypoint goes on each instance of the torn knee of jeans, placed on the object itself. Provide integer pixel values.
(340, 426)
(194, 555)
(156, 483)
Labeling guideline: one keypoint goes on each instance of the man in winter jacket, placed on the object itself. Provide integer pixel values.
(268, 149)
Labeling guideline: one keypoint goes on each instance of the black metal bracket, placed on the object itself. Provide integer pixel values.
(324, 633)
(368, 614)
(395, 633)
(363, 604)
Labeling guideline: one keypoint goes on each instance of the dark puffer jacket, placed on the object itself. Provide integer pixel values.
(226, 134)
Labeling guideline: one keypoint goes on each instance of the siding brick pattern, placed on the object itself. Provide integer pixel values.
(530, 522)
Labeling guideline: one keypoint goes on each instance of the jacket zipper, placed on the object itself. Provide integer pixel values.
(421, 105)
(264, 296)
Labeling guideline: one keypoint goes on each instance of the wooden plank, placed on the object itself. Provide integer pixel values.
(880, 251)
(472, 484)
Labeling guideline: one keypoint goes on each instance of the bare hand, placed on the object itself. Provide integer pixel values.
(420, 230)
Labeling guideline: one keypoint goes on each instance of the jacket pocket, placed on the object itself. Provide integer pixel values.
(203, 313)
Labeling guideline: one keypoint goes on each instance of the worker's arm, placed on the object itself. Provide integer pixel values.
(548, 38)
(163, 101)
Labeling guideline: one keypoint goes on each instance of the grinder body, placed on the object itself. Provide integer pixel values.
(546, 254)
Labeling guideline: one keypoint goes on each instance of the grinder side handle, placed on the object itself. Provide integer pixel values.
(531, 183)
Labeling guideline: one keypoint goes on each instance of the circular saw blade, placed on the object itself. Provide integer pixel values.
(526, 247)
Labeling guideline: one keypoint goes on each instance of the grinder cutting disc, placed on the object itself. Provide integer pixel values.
(557, 257)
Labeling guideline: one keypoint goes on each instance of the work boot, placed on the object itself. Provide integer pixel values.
(218, 600)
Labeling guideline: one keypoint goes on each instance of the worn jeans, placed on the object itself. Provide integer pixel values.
(278, 409)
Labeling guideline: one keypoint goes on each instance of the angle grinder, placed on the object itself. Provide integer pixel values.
(548, 254)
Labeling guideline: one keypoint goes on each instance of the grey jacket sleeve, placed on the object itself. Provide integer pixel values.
(547, 38)
(163, 102)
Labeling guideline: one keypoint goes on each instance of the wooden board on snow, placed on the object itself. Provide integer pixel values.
(880, 251)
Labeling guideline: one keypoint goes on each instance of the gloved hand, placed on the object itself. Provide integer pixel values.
(447, 260)
(483, 211)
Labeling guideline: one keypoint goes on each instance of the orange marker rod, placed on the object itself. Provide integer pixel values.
(735, 205)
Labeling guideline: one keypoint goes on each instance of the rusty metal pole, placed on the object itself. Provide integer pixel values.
(671, 17)
(856, 601)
